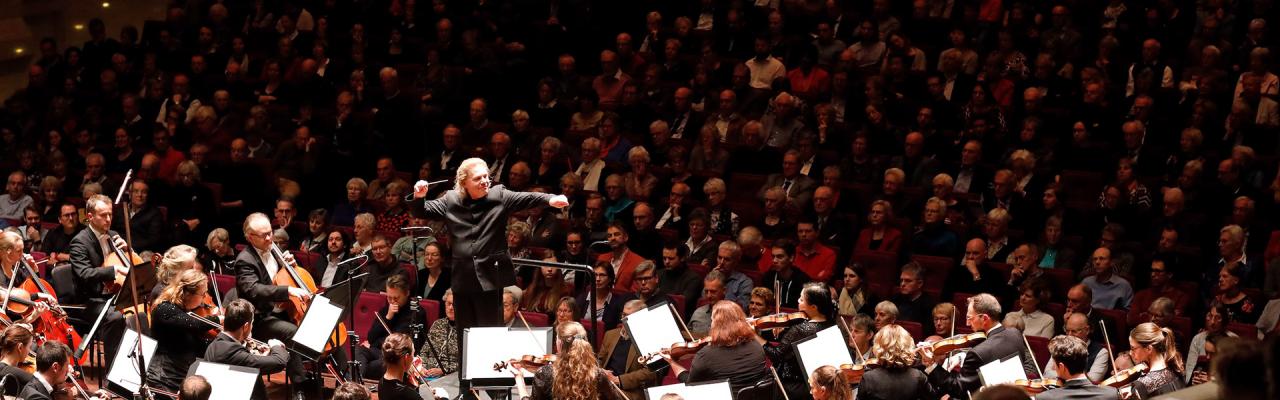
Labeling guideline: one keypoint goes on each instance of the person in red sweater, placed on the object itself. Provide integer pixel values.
(815, 259)
(622, 259)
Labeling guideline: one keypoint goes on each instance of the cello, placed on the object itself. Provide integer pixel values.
(52, 325)
(290, 275)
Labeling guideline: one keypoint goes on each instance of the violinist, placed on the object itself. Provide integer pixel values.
(827, 383)
(397, 356)
(440, 352)
(983, 315)
(575, 376)
(89, 249)
(195, 387)
(177, 259)
(255, 268)
(895, 377)
(731, 354)
(1156, 347)
(396, 316)
(620, 359)
(15, 348)
(819, 309)
(1071, 361)
(861, 332)
(230, 345)
(179, 336)
(10, 257)
(53, 365)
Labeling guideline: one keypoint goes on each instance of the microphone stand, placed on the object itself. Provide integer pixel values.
(353, 364)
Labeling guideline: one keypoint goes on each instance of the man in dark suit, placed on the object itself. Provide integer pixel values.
(620, 359)
(912, 302)
(798, 187)
(255, 267)
(445, 161)
(229, 347)
(1071, 360)
(146, 222)
(88, 251)
(53, 362)
(983, 315)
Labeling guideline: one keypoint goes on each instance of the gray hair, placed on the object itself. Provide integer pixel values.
(986, 304)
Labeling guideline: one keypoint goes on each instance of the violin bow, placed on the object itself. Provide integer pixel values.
(1110, 353)
(777, 381)
(680, 320)
(777, 296)
(1033, 356)
(383, 322)
(953, 321)
(845, 325)
(8, 292)
(529, 329)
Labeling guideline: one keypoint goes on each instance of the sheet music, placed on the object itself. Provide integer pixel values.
(653, 329)
(487, 346)
(707, 391)
(227, 381)
(124, 371)
(322, 316)
(1002, 371)
(827, 347)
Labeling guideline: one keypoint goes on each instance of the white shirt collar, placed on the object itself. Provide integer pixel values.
(47, 386)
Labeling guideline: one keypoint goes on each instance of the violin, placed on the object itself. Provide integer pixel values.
(678, 350)
(956, 342)
(526, 362)
(1125, 377)
(777, 320)
(853, 372)
(1036, 386)
(208, 311)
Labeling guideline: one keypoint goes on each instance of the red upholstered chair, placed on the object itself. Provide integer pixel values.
(411, 272)
(366, 309)
(309, 261)
(599, 329)
(936, 270)
(914, 328)
(1182, 328)
(1061, 278)
(534, 318)
(881, 267)
(225, 283)
(1005, 269)
(1040, 348)
(1120, 320)
(433, 310)
(679, 303)
(1245, 331)
(961, 301)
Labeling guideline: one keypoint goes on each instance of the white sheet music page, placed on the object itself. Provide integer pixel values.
(124, 371)
(1002, 371)
(321, 317)
(653, 329)
(828, 348)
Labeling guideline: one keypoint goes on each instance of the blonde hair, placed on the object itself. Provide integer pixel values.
(1160, 340)
(831, 380)
(894, 347)
(576, 371)
(174, 262)
(188, 282)
(9, 241)
(464, 172)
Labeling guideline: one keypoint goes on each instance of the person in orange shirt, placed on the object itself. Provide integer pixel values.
(622, 259)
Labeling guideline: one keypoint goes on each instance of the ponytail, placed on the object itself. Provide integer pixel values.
(1172, 357)
(1160, 340)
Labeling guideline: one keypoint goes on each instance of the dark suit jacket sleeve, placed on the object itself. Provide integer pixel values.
(34, 391)
(227, 352)
(516, 201)
(958, 384)
(436, 208)
(83, 251)
(250, 286)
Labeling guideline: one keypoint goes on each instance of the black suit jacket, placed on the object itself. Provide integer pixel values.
(1079, 389)
(224, 349)
(148, 228)
(480, 258)
(35, 391)
(1001, 342)
(86, 263)
(254, 284)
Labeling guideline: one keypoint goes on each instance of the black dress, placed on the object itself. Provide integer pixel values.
(783, 355)
(546, 376)
(178, 343)
(396, 390)
(895, 384)
(1157, 383)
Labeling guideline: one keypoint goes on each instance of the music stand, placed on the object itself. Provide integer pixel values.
(827, 347)
(653, 329)
(145, 275)
(483, 347)
(591, 287)
(317, 326)
(713, 390)
(124, 375)
(345, 292)
(227, 381)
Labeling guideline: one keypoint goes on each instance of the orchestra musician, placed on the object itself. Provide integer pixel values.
(255, 268)
(15, 345)
(574, 375)
(620, 359)
(53, 365)
(895, 376)
(176, 259)
(396, 316)
(1071, 361)
(230, 348)
(1099, 360)
(195, 387)
(179, 336)
(476, 215)
(397, 356)
(731, 354)
(983, 315)
(11, 254)
(819, 309)
(89, 250)
(826, 383)
(1156, 347)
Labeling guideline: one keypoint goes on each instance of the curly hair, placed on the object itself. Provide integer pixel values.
(186, 283)
(893, 346)
(576, 371)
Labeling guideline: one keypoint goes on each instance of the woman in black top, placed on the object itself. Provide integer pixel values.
(179, 336)
(895, 379)
(816, 304)
(732, 354)
(15, 346)
(397, 356)
(1155, 346)
(575, 375)
(434, 279)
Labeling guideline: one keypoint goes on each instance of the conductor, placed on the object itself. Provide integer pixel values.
(477, 215)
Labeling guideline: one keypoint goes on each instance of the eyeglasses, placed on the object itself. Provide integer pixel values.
(643, 278)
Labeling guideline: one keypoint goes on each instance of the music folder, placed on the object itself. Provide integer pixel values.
(227, 381)
(713, 390)
(486, 346)
(827, 347)
(653, 329)
(124, 370)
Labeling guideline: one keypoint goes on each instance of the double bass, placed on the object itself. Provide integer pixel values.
(290, 275)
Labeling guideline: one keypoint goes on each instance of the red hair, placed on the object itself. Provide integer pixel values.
(729, 324)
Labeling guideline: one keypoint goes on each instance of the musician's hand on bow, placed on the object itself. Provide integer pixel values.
(299, 293)
(120, 269)
(559, 201)
(420, 189)
(101, 394)
(273, 343)
(926, 356)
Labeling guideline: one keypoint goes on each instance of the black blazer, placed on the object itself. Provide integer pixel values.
(1079, 389)
(1001, 342)
(254, 284)
(148, 228)
(18, 378)
(86, 263)
(225, 349)
(895, 384)
(35, 391)
(480, 258)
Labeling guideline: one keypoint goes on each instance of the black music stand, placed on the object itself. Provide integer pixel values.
(346, 292)
(145, 275)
